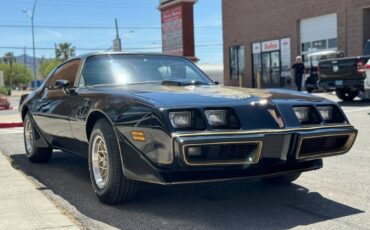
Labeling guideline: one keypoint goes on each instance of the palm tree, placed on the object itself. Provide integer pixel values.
(9, 58)
(65, 51)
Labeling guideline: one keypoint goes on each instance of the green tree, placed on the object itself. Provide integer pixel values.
(46, 66)
(9, 58)
(65, 51)
(20, 75)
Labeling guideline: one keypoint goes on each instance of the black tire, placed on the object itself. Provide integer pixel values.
(34, 153)
(117, 188)
(286, 179)
(309, 89)
(346, 94)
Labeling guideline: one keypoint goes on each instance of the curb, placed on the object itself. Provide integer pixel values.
(11, 125)
(6, 108)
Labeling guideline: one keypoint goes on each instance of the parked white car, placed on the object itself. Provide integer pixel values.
(367, 80)
(367, 68)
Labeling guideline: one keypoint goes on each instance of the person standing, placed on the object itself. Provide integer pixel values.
(299, 70)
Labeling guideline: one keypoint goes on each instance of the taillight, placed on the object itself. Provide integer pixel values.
(367, 66)
(360, 67)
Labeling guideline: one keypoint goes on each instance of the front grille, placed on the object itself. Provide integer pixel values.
(228, 153)
(321, 146)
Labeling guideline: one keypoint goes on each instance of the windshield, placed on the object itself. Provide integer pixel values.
(127, 68)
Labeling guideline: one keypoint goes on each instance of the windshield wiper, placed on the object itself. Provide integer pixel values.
(183, 83)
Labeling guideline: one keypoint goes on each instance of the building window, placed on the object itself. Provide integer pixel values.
(306, 46)
(319, 45)
(237, 62)
(332, 43)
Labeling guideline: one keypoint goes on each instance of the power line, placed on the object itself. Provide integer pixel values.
(93, 27)
(91, 49)
(82, 49)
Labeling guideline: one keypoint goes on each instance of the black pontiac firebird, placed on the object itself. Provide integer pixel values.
(159, 119)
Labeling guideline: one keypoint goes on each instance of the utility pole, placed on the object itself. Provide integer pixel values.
(55, 49)
(24, 59)
(117, 41)
(32, 16)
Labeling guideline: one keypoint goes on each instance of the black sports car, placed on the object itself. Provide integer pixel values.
(159, 119)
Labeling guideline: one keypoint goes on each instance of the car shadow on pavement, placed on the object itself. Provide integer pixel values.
(231, 205)
(355, 103)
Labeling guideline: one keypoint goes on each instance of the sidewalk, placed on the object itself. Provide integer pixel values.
(22, 206)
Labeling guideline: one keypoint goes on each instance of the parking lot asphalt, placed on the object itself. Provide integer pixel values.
(335, 197)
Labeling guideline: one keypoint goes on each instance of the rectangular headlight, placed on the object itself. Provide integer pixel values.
(326, 112)
(216, 118)
(302, 114)
(180, 119)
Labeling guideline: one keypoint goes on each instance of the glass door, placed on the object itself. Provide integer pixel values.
(271, 70)
(275, 69)
(266, 70)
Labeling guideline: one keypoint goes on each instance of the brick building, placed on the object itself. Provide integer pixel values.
(261, 38)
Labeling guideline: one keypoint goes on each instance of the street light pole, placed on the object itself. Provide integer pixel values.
(32, 16)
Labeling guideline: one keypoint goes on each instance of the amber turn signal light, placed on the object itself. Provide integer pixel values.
(138, 136)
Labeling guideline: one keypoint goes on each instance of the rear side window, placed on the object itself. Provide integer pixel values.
(67, 71)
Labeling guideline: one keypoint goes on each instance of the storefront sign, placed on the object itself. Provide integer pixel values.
(285, 57)
(172, 33)
(256, 48)
(270, 46)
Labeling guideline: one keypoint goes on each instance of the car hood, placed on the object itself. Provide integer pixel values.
(208, 94)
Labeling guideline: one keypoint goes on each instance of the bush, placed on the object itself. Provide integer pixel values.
(5, 91)
(21, 74)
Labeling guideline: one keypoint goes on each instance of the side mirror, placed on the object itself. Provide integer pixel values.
(62, 84)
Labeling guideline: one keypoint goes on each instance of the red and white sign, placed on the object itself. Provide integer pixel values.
(172, 34)
(270, 46)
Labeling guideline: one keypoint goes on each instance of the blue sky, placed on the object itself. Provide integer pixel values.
(140, 19)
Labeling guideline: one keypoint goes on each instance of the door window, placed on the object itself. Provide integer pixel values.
(67, 71)
(257, 68)
(271, 71)
(319, 45)
(275, 68)
(266, 67)
(237, 62)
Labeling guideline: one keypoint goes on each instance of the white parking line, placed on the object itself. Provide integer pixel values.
(356, 110)
(11, 131)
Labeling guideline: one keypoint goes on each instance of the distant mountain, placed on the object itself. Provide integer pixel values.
(28, 61)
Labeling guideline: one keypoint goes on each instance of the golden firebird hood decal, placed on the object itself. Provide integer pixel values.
(210, 94)
(210, 91)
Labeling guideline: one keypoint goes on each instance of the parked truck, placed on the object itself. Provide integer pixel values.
(345, 76)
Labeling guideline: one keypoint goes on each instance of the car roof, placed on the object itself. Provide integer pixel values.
(84, 56)
(325, 52)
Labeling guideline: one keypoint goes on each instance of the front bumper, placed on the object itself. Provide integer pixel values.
(278, 152)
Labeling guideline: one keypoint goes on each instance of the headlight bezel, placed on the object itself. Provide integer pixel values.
(199, 120)
(172, 116)
(312, 115)
(330, 112)
(336, 115)
(217, 118)
(302, 114)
